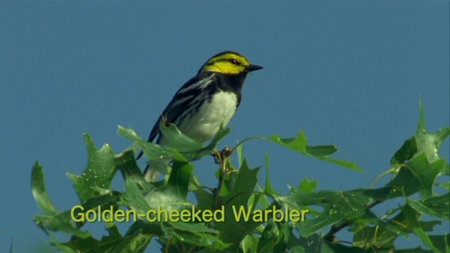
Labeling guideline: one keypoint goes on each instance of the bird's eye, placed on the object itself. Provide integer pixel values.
(234, 61)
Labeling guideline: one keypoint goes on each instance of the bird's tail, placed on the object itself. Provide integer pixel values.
(150, 174)
(153, 168)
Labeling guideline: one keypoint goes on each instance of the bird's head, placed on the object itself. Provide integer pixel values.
(230, 63)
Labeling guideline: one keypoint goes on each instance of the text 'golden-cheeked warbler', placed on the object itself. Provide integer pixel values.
(206, 101)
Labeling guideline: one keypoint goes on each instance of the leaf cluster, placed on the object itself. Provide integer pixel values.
(417, 171)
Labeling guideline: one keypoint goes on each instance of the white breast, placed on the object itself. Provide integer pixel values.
(206, 122)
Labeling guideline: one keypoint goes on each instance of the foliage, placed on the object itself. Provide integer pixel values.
(238, 215)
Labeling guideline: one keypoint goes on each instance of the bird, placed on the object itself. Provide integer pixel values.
(205, 102)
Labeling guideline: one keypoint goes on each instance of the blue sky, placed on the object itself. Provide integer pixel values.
(348, 73)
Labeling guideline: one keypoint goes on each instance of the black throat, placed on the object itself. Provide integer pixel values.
(231, 83)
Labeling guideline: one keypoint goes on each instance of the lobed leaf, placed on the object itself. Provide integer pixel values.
(417, 175)
(412, 215)
(338, 206)
(434, 206)
(429, 143)
(300, 144)
(233, 230)
(52, 219)
(98, 173)
(195, 234)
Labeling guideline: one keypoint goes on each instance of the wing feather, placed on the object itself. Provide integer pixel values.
(184, 97)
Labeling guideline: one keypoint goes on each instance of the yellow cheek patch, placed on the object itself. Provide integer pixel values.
(230, 56)
(223, 64)
(224, 67)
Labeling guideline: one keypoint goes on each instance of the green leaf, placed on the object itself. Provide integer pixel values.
(299, 144)
(40, 192)
(271, 239)
(179, 146)
(412, 215)
(136, 241)
(190, 149)
(205, 199)
(61, 222)
(151, 150)
(82, 244)
(441, 136)
(445, 170)
(98, 173)
(441, 242)
(330, 247)
(240, 154)
(114, 242)
(136, 195)
(195, 234)
(61, 246)
(405, 153)
(135, 198)
(249, 244)
(169, 197)
(310, 244)
(234, 230)
(178, 140)
(338, 206)
(385, 232)
(126, 163)
(429, 143)
(321, 151)
(135, 184)
(308, 186)
(269, 188)
(445, 185)
(374, 236)
(417, 175)
(52, 219)
(434, 206)
(103, 202)
(179, 179)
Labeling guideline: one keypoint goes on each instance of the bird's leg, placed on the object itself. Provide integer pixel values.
(226, 152)
(218, 155)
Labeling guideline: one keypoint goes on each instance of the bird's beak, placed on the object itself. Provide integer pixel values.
(251, 68)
